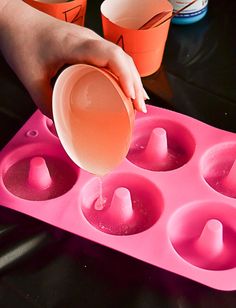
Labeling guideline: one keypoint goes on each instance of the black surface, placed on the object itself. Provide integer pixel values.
(41, 266)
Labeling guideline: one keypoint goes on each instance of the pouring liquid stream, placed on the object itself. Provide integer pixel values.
(101, 201)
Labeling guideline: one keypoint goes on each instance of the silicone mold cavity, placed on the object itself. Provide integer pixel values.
(160, 145)
(204, 234)
(128, 204)
(219, 168)
(36, 173)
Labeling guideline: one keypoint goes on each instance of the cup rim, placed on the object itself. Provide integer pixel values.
(130, 30)
(58, 91)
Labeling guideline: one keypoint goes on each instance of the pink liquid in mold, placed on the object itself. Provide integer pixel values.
(24, 179)
(98, 125)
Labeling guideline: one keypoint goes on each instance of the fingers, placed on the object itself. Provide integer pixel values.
(99, 53)
(84, 46)
(102, 53)
(123, 67)
(140, 93)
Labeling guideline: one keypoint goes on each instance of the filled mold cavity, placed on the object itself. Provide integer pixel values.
(121, 204)
(204, 234)
(33, 172)
(219, 168)
(160, 145)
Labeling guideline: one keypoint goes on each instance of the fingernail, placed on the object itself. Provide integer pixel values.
(144, 108)
(145, 94)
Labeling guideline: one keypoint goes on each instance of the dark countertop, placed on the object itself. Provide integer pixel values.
(42, 266)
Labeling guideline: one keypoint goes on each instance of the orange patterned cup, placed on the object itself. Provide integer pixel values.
(122, 20)
(72, 11)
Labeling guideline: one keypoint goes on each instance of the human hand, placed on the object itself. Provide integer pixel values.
(37, 45)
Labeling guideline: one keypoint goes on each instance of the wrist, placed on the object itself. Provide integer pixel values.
(12, 19)
(13, 14)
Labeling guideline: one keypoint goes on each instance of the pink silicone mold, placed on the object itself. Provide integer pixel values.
(170, 203)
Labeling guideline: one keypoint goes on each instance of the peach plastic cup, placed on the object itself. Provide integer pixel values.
(72, 11)
(122, 19)
(93, 118)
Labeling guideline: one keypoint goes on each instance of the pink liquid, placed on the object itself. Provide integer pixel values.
(99, 124)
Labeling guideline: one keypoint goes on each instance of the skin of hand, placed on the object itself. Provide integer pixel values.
(37, 46)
